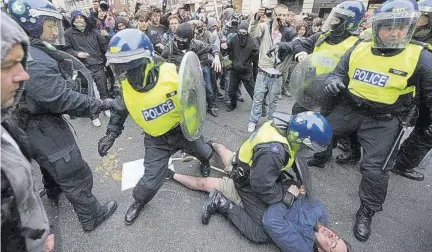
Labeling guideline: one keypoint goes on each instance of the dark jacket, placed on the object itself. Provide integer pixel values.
(242, 56)
(205, 52)
(89, 41)
(263, 33)
(264, 187)
(292, 229)
(307, 45)
(24, 223)
(421, 79)
(48, 92)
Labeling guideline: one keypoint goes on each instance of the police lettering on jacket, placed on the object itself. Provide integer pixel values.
(159, 110)
(369, 77)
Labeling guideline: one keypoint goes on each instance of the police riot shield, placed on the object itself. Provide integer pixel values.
(307, 81)
(303, 174)
(192, 96)
(73, 69)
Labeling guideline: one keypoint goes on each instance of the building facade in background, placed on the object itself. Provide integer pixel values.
(320, 7)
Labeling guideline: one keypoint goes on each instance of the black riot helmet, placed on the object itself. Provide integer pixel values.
(423, 30)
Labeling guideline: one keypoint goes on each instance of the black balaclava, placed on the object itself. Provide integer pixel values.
(185, 32)
(243, 38)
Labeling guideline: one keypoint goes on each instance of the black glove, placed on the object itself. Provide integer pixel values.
(288, 199)
(107, 104)
(334, 87)
(105, 143)
(273, 49)
(428, 133)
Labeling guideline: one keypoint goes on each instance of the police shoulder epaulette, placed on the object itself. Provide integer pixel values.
(422, 44)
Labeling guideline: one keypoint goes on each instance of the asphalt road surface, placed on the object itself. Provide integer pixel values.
(171, 221)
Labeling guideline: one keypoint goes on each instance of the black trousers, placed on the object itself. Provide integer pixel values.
(99, 76)
(158, 150)
(352, 138)
(234, 80)
(416, 146)
(376, 136)
(56, 152)
(247, 226)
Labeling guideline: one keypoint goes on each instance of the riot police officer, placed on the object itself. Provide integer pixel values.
(380, 78)
(47, 97)
(149, 95)
(257, 169)
(418, 144)
(340, 33)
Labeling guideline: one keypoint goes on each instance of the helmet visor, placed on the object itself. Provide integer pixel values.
(393, 30)
(336, 18)
(132, 71)
(53, 31)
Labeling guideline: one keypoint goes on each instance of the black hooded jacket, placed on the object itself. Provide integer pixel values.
(88, 41)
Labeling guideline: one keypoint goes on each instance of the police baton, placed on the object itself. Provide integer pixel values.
(194, 158)
(405, 124)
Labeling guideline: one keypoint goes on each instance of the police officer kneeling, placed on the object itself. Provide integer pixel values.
(149, 94)
(381, 77)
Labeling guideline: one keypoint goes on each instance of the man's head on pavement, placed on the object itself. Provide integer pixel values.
(328, 241)
(39, 19)
(14, 43)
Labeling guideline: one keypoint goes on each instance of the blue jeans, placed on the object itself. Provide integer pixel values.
(210, 94)
(263, 85)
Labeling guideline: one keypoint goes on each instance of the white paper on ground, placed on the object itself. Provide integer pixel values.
(133, 171)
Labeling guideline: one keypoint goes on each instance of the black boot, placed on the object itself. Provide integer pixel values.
(319, 159)
(133, 213)
(344, 144)
(53, 194)
(217, 203)
(230, 107)
(104, 213)
(408, 173)
(353, 155)
(363, 222)
(205, 168)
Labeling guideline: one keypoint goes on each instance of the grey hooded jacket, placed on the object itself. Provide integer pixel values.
(24, 223)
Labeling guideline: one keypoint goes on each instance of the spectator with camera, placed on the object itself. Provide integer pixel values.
(269, 77)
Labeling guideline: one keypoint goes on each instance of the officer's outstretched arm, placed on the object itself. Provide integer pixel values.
(305, 46)
(51, 91)
(115, 126)
(118, 118)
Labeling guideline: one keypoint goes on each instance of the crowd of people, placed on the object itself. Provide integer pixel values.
(53, 62)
